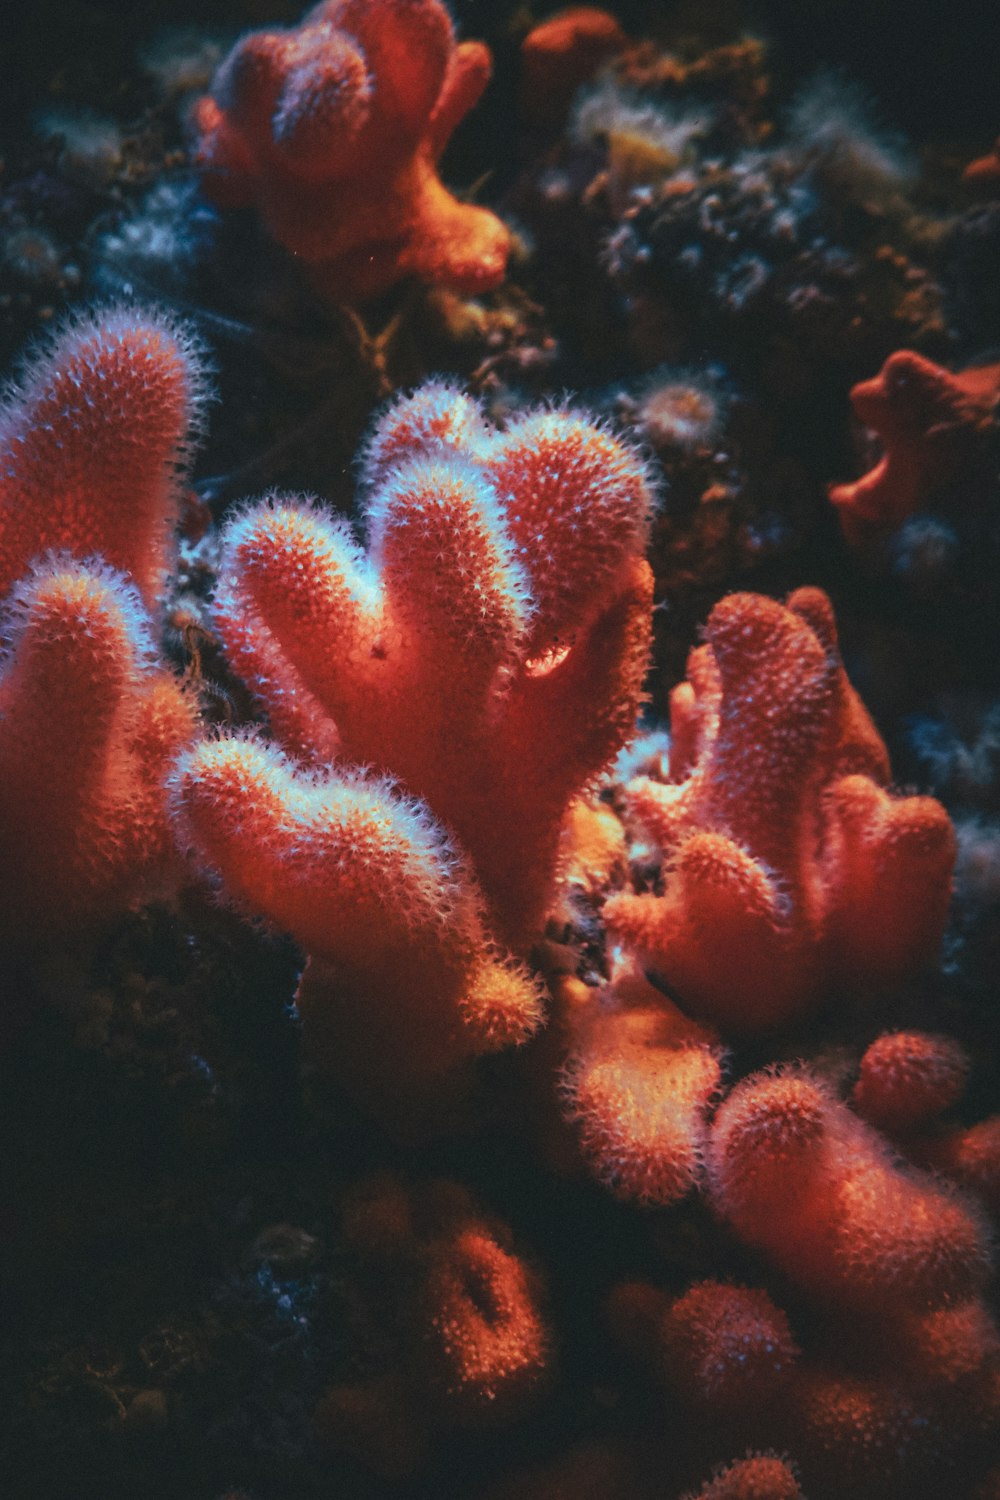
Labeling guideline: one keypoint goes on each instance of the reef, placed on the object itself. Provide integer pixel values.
(499, 771)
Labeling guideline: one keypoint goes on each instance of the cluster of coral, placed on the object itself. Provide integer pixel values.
(619, 1027)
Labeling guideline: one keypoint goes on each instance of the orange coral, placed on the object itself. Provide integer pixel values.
(983, 173)
(334, 130)
(560, 54)
(90, 449)
(488, 651)
(92, 443)
(796, 1174)
(762, 1476)
(931, 423)
(456, 1314)
(909, 1077)
(790, 868)
(88, 728)
(638, 1081)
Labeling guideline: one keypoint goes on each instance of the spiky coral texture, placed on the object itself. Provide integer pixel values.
(88, 727)
(334, 129)
(92, 443)
(790, 868)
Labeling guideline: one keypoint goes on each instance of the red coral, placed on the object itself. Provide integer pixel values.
(790, 868)
(334, 130)
(799, 1176)
(931, 423)
(983, 173)
(909, 1077)
(91, 446)
(489, 652)
(638, 1081)
(762, 1476)
(89, 454)
(452, 1315)
(560, 54)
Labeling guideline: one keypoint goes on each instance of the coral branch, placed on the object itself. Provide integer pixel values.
(790, 867)
(334, 129)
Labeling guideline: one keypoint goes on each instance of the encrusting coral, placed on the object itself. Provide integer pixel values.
(89, 721)
(334, 130)
(488, 653)
(790, 868)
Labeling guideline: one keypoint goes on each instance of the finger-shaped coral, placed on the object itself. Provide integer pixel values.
(488, 649)
(907, 1078)
(798, 1175)
(761, 1476)
(789, 866)
(931, 423)
(334, 130)
(88, 728)
(361, 875)
(637, 1082)
(92, 445)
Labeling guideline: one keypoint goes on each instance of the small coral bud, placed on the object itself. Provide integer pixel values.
(761, 1477)
(970, 1156)
(726, 1347)
(907, 1078)
(487, 1343)
(93, 443)
(638, 1088)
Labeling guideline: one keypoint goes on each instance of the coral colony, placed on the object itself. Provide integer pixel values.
(710, 994)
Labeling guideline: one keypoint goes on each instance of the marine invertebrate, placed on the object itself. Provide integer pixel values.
(560, 54)
(799, 1176)
(88, 727)
(92, 446)
(983, 173)
(334, 130)
(761, 1476)
(789, 866)
(909, 1077)
(456, 1313)
(637, 1082)
(933, 425)
(487, 652)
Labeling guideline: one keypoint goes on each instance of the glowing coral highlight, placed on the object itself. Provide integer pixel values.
(92, 446)
(334, 130)
(88, 728)
(789, 867)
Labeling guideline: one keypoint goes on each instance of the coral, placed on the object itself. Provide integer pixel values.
(637, 1081)
(90, 449)
(454, 1313)
(488, 652)
(797, 1175)
(907, 1078)
(983, 173)
(721, 1349)
(761, 1476)
(88, 727)
(92, 443)
(334, 130)
(560, 54)
(789, 867)
(933, 425)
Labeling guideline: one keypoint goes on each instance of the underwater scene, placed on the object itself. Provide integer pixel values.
(499, 750)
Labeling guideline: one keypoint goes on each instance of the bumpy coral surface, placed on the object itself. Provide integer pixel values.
(932, 424)
(790, 867)
(334, 130)
(487, 651)
(456, 1315)
(89, 476)
(92, 441)
(88, 728)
